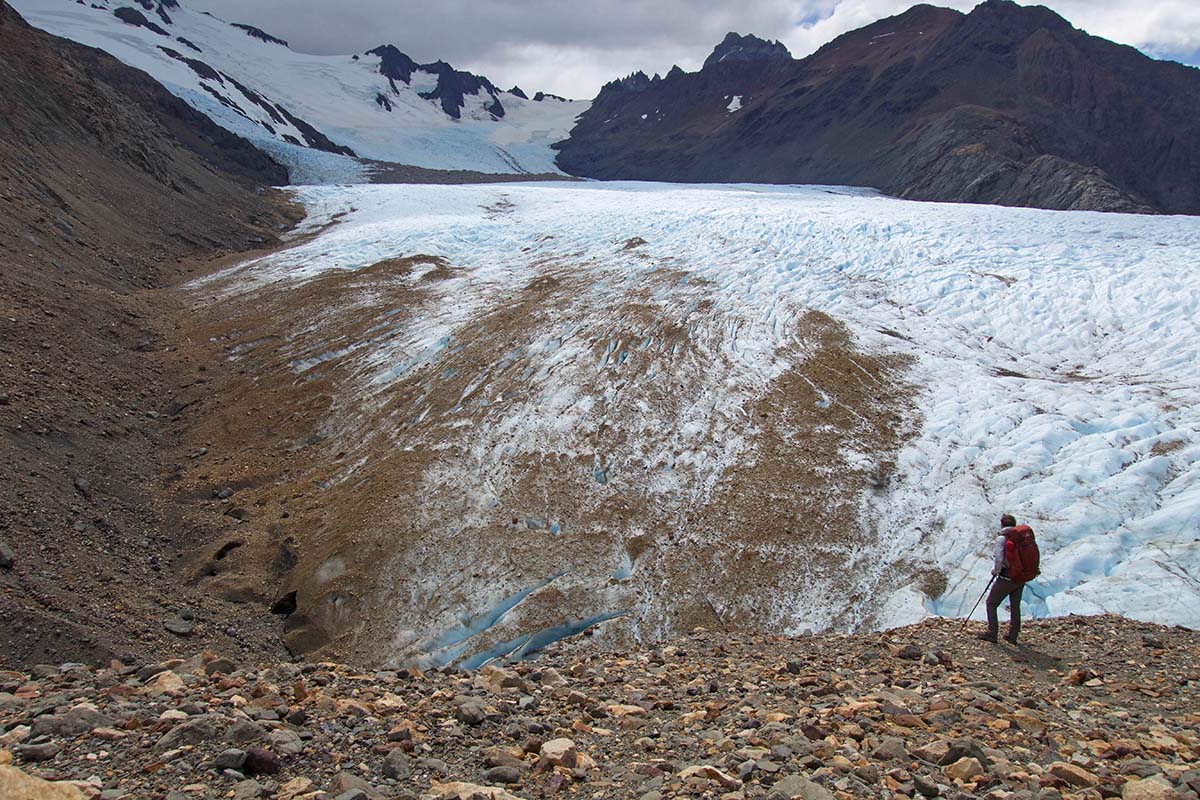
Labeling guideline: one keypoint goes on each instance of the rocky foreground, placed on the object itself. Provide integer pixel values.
(1084, 708)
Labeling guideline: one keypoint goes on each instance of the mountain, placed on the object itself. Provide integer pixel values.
(325, 117)
(1006, 104)
(110, 187)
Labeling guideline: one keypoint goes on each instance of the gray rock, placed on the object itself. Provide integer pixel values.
(502, 775)
(347, 783)
(244, 731)
(396, 765)
(192, 731)
(248, 789)
(965, 747)
(926, 786)
(470, 713)
(796, 786)
(149, 671)
(7, 556)
(910, 651)
(180, 626)
(219, 666)
(892, 748)
(230, 759)
(434, 765)
(285, 742)
(75, 722)
(1140, 767)
(34, 753)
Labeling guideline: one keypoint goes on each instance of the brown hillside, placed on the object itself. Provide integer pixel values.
(101, 203)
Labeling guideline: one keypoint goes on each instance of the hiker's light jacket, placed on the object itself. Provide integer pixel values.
(1000, 565)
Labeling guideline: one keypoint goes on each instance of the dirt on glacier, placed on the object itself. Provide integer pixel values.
(333, 489)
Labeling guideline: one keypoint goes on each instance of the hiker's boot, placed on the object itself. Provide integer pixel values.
(1011, 639)
(988, 637)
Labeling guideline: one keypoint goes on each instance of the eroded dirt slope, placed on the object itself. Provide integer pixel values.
(101, 205)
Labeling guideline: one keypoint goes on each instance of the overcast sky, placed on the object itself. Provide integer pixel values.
(572, 47)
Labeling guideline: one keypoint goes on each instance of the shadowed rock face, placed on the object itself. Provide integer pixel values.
(746, 48)
(1006, 104)
(452, 84)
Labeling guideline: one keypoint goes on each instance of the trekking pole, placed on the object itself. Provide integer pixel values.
(977, 602)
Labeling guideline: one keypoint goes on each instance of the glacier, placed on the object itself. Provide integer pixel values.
(1052, 359)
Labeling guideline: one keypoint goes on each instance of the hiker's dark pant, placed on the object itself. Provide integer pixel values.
(1001, 589)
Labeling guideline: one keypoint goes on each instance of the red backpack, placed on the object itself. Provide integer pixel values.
(1021, 552)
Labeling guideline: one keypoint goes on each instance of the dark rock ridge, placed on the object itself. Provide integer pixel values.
(736, 47)
(131, 16)
(260, 34)
(220, 92)
(1006, 104)
(452, 84)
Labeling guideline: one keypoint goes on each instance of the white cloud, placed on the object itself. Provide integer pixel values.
(572, 48)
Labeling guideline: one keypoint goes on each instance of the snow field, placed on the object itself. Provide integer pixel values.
(335, 94)
(1055, 358)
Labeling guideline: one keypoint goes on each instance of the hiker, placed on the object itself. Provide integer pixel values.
(1016, 561)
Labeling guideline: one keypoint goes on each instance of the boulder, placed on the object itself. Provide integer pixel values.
(795, 787)
(892, 748)
(711, 773)
(285, 742)
(16, 784)
(348, 781)
(260, 761)
(496, 679)
(396, 765)
(193, 731)
(79, 720)
(965, 769)
(1156, 788)
(502, 775)
(1072, 774)
(559, 753)
(165, 683)
(458, 790)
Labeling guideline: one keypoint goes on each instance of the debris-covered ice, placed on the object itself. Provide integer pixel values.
(1054, 369)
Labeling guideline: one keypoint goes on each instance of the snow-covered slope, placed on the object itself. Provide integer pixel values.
(637, 398)
(311, 112)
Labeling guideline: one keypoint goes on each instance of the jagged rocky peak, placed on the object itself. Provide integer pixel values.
(393, 64)
(735, 47)
(633, 82)
(452, 84)
(517, 91)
